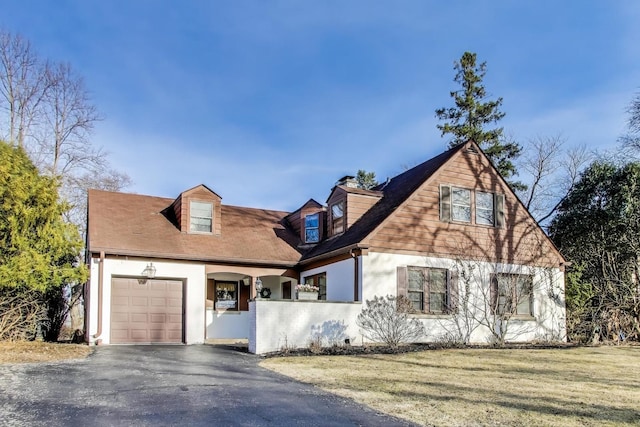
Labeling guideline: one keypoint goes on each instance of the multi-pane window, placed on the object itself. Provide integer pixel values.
(460, 204)
(312, 228)
(456, 205)
(512, 294)
(437, 290)
(429, 289)
(201, 217)
(319, 280)
(484, 208)
(337, 218)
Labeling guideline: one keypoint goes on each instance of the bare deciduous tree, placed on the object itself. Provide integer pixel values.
(46, 109)
(550, 170)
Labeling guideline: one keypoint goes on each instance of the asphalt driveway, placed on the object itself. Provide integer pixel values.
(169, 385)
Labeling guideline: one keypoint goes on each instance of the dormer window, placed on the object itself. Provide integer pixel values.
(201, 217)
(337, 218)
(312, 228)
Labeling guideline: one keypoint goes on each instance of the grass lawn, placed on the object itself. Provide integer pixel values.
(35, 351)
(593, 386)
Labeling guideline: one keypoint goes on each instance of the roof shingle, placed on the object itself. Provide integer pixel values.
(131, 224)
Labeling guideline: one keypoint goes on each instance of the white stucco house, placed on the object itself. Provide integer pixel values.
(448, 234)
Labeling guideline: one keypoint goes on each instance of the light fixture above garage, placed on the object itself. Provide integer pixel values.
(149, 271)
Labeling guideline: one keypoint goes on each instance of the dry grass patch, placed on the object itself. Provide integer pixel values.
(559, 387)
(35, 351)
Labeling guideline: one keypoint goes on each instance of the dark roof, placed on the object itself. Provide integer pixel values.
(132, 224)
(395, 192)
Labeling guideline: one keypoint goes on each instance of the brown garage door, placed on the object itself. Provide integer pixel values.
(149, 312)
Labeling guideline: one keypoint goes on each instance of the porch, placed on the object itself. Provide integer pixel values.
(229, 290)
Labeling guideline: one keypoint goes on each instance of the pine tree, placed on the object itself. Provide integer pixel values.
(473, 113)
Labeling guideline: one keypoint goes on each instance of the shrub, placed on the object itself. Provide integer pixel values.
(386, 320)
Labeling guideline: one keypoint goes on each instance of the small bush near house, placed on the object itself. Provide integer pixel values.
(386, 320)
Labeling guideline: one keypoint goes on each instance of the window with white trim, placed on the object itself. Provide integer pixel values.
(337, 218)
(485, 209)
(200, 217)
(312, 228)
(460, 204)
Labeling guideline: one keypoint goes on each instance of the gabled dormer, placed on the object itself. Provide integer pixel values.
(347, 203)
(308, 222)
(198, 211)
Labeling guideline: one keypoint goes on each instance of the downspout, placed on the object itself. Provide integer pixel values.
(100, 302)
(356, 264)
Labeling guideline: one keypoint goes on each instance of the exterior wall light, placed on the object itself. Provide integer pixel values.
(149, 271)
(258, 287)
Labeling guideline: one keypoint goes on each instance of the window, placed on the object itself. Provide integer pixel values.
(312, 228)
(484, 208)
(512, 294)
(337, 218)
(319, 280)
(430, 290)
(226, 295)
(460, 204)
(455, 205)
(201, 217)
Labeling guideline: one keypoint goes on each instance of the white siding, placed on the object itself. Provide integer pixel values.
(192, 274)
(339, 279)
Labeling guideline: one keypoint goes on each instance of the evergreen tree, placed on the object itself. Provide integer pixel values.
(473, 112)
(597, 228)
(366, 180)
(38, 249)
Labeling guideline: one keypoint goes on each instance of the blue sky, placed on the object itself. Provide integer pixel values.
(270, 102)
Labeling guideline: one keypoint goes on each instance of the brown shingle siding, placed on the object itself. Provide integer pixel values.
(416, 225)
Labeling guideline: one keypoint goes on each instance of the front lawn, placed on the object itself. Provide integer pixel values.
(557, 387)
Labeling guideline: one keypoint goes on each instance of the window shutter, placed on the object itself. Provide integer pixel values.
(499, 207)
(445, 203)
(425, 290)
(452, 291)
(493, 293)
(402, 282)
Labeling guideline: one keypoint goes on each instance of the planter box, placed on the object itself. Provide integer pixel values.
(307, 295)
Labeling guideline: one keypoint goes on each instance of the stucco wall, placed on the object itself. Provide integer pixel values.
(192, 274)
(276, 325)
(380, 278)
(227, 324)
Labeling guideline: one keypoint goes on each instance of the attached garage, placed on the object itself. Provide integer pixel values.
(146, 311)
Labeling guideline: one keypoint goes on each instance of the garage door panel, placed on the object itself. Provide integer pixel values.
(174, 335)
(139, 317)
(174, 318)
(139, 301)
(158, 302)
(157, 318)
(146, 312)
